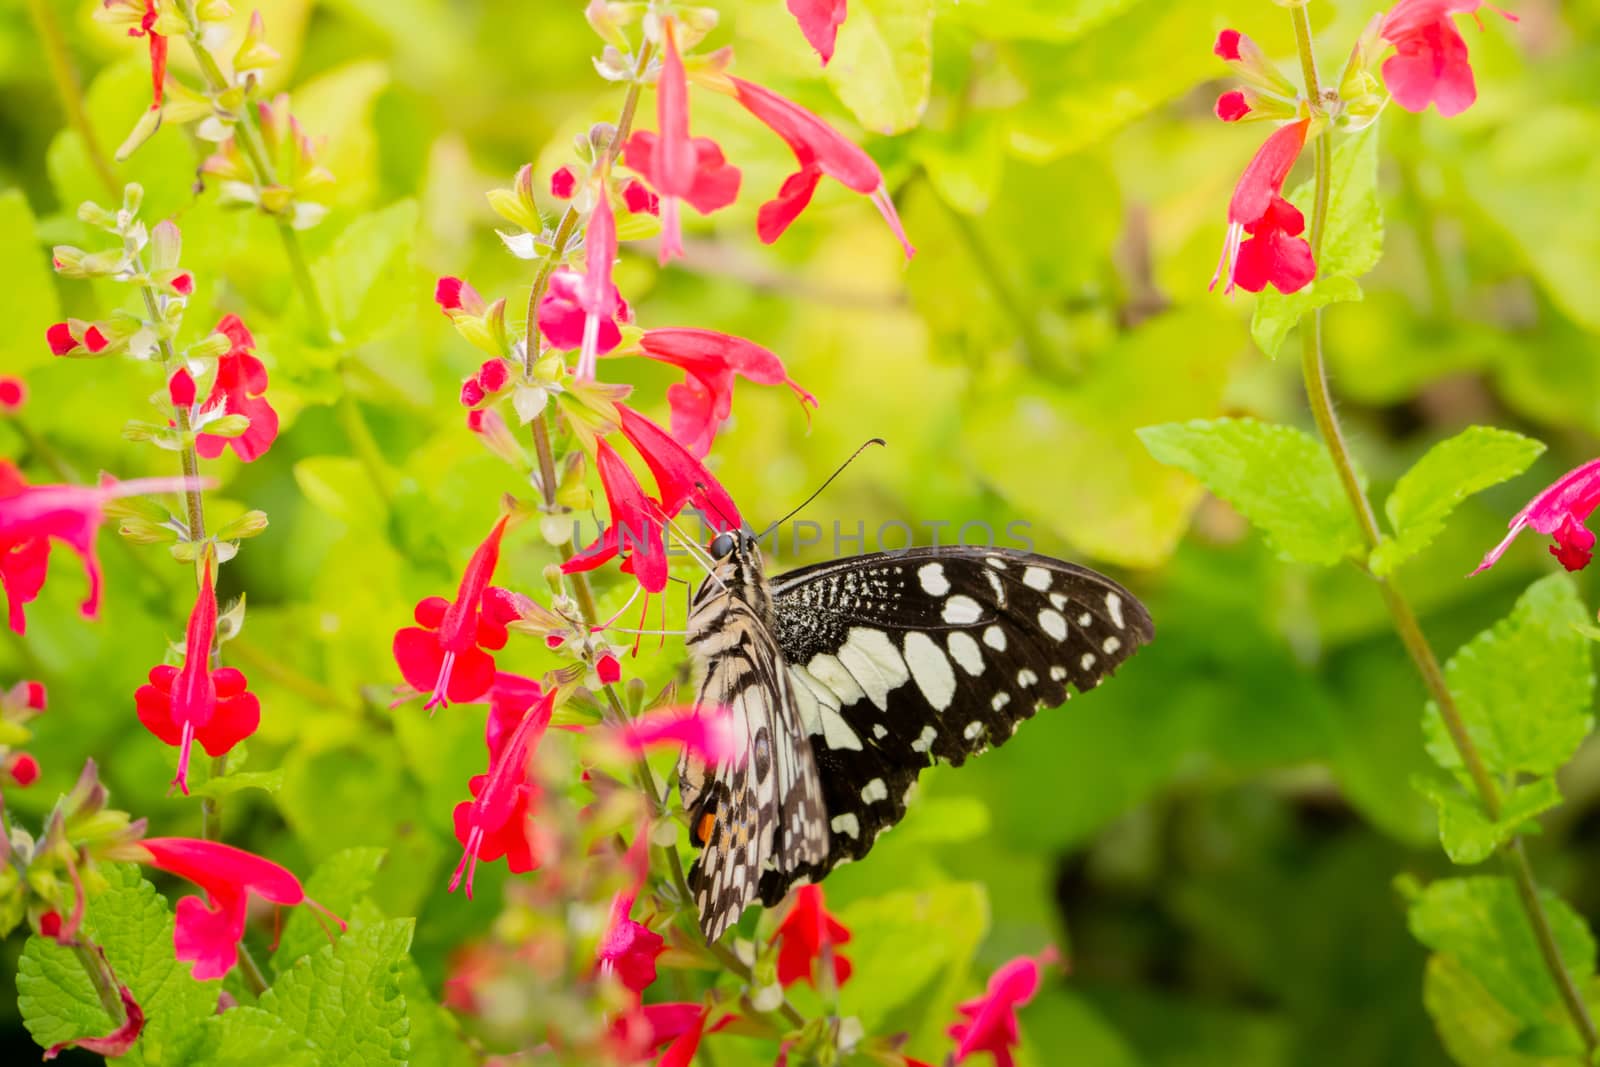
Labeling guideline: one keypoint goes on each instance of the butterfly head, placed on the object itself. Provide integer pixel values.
(736, 566)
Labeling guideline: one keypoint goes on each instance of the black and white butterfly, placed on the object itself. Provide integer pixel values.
(847, 678)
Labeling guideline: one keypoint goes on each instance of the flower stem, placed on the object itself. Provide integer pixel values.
(103, 979)
(59, 59)
(1404, 618)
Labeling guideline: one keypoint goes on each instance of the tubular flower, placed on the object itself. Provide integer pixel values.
(820, 21)
(196, 703)
(208, 930)
(119, 1041)
(32, 516)
(702, 402)
(140, 17)
(1560, 512)
(497, 821)
(991, 1020)
(1430, 64)
(805, 932)
(677, 166)
(709, 733)
(581, 310)
(238, 390)
(819, 149)
(635, 1035)
(681, 479)
(65, 338)
(444, 654)
(629, 949)
(1274, 253)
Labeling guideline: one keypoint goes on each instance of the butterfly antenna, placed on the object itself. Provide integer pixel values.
(697, 553)
(864, 446)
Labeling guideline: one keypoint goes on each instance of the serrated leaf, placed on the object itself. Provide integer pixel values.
(346, 997)
(337, 884)
(1352, 243)
(247, 1037)
(1465, 829)
(269, 781)
(882, 66)
(133, 924)
(1476, 1029)
(1452, 470)
(1523, 687)
(1480, 922)
(1278, 477)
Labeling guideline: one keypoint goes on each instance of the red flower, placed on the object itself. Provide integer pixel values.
(677, 166)
(23, 768)
(639, 200)
(241, 381)
(1274, 252)
(31, 516)
(208, 931)
(1560, 512)
(445, 654)
(453, 294)
(196, 703)
(140, 16)
(637, 1033)
(991, 1020)
(581, 310)
(819, 149)
(563, 183)
(13, 394)
(115, 1044)
(819, 21)
(681, 479)
(710, 733)
(67, 337)
(608, 669)
(1232, 106)
(1430, 64)
(629, 949)
(497, 821)
(702, 402)
(805, 932)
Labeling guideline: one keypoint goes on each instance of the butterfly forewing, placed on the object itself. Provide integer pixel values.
(933, 653)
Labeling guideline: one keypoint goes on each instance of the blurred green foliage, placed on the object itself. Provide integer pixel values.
(1212, 837)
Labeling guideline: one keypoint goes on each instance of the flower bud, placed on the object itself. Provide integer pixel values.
(1251, 64)
(251, 524)
(181, 389)
(166, 245)
(254, 53)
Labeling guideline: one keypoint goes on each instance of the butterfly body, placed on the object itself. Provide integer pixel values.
(847, 678)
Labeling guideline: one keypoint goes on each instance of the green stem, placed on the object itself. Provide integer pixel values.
(210, 808)
(103, 979)
(59, 59)
(251, 970)
(1404, 618)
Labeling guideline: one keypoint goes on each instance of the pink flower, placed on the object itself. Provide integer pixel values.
(991, 1020)
(806, 930)
(681, 479)
(453, 294)
(636, 1034)
(581, 310)
(1560, 512)
(208, 930)
(497, 821)
(820, 150)
(1232, 106)
(563, 183)
(677, 166)
(13, 394)
(67, 337)
(1274, 252)
(819, 21)
(629, 949)
(139, 16)
(444, 654)
(1430, 64)
(23, 768)
(115, 1044)
(639, 200)
(197, 703)
(238, 390)
(710, 733)
(702, 402)
(608, 669)
(32, 516)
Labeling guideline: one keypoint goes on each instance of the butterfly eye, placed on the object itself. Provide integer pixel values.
(722, 546)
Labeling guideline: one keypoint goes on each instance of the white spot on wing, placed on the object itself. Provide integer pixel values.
(995, 587)
(879, 731)
(996, 562)
(930, 669)
(1053, 623)
(1058, 674)
(1059, 601)
(934, 583)
(974, 728)
(1087, 661)
(1110, 645)
(1114, 607)
(925, 740)
(835, 677)
(846, 824)
(965, 651)
(995, 638)
(874, 662)
(1025, 678)
(1085, 619)
(1001, 699)
(1036, 578)
(960, 610)
(874, 791)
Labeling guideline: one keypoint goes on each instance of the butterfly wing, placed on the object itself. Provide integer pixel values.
(763, 812)
(904, 658)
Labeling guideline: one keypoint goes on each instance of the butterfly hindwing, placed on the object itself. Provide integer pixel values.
(933, 653)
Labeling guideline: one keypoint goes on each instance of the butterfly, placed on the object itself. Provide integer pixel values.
(846, 679)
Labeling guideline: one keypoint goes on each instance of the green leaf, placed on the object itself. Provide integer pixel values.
(369, 263)
(1523, 687)
(229, 784)
(1279, 477)
(133, 924)
(1352, 243)
(338, 884)
(246, 1037)
(28, 299)
(1480, 923)
(1476, 1029)
(346, 998)
(1470, 462)
(882, 66)
(1468, 834)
